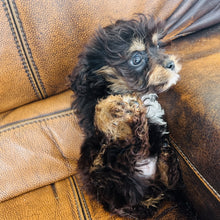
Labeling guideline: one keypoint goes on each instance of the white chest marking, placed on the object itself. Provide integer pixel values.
(147, 167)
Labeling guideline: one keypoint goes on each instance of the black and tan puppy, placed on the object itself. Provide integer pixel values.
(118, 165)
(121, 58)
(125, 160)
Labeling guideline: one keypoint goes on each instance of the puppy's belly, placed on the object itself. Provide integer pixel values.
(147, 168)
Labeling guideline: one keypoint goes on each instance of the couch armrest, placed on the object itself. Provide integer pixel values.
(193, 114)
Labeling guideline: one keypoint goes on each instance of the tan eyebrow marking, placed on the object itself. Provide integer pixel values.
(137, 45)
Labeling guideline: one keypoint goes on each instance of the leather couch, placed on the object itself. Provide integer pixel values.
(39, 135)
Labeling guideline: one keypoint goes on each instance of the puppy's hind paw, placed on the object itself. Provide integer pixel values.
(153, 201)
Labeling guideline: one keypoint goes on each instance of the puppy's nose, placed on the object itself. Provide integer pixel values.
(170, 65)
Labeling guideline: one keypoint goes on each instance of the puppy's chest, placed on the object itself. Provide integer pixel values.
(147, 168)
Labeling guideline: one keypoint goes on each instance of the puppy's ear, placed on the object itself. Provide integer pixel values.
(78, 80)
(88, 87)
(84, 81)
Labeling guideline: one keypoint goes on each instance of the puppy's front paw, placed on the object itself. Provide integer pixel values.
(115, 116)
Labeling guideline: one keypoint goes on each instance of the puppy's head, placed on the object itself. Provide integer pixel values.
(127, 55)
(121, 58)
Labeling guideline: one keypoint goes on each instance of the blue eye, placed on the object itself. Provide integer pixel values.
(136, 59)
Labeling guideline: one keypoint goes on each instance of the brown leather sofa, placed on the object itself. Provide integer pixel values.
(39, 136)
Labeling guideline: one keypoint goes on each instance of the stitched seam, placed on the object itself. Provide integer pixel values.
(36, 120)
(79, 198)
(23, 48)
(78, 194)
(75, 197)
(33, 67)
(83, 200)
(195, 171)
(19, 48)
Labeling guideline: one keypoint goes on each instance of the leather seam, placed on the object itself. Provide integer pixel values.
(195, 171)
(79, 197)
(19, 47)
(36, 120)
(23, 48)
(30, 60)
(75, 195)
(83, 200)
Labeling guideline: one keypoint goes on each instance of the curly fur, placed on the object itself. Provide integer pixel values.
(118, 165)
(125, 162)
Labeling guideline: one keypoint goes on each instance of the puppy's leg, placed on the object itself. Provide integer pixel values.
(168, 167)
(120, 194)
(89, 151)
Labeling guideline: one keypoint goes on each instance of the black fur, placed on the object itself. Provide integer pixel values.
(116, 183)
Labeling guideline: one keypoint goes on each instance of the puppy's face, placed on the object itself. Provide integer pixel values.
(130, 59)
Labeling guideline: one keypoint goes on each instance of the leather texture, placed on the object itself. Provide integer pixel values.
(39, 145)
(192, 109)
(39, 135)
(66, 200)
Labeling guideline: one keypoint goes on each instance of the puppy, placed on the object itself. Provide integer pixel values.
(126, 162)
(118, 165)
(121, 58)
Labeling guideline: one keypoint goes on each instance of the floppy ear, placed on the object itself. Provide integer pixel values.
(78, 80)
(88, 87)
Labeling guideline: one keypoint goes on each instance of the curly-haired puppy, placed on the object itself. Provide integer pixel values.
(118, 165)
(121, 58)
(125, 160)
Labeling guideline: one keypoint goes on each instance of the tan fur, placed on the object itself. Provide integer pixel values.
(153, 202)
(137, 45)
(98, 162)
(118, 84)
(155, 38)
(159, 75)
(114, 115)
(164, 77)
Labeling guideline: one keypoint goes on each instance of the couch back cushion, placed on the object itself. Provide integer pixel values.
(40, 40)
